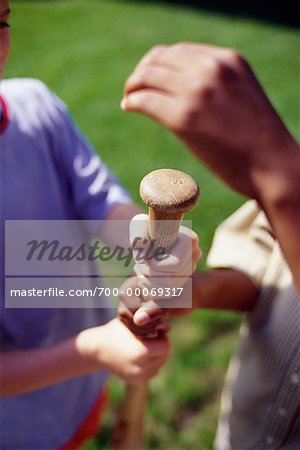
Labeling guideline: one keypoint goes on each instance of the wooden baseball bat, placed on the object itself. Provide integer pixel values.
(168, 194)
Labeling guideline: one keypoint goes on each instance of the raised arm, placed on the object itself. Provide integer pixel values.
(211, 100)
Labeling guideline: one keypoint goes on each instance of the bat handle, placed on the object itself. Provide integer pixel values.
(163, 230)
(129, 432)
(168, 194)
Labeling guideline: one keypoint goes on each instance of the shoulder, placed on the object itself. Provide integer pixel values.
(32, 101)
(30, 93)
(25, 88)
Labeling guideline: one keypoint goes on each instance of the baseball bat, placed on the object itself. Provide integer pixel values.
(168, 194)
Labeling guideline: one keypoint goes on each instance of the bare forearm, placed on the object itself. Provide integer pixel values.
(111, 347)
(279, 195)
(224, 116)
(224, 289)
(27, 370)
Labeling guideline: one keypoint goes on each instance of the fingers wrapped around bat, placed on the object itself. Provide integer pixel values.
(161, 308)
(149, 329)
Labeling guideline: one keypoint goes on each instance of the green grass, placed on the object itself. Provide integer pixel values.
(84, 50)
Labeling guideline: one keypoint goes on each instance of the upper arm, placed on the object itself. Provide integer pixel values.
(91, 187)
(244, 243)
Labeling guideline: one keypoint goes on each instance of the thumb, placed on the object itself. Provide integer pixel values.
(138, 236)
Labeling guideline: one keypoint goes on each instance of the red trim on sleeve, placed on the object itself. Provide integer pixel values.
(4, 115)
(89, 428)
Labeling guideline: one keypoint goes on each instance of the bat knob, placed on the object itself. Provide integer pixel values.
(169, 192)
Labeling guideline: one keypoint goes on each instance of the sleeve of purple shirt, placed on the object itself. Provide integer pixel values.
(94, 189)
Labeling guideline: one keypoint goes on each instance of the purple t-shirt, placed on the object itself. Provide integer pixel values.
(48, 172)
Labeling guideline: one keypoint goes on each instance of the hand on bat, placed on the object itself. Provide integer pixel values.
(150, 319)
(210, 99)
(171, 269)
(114, 347)
(157, 278)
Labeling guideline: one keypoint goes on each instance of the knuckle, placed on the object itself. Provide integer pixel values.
(236, 61)
(127, 84)
(182, 46)
(142, 75)
(221, 70)
(195, 238)
(198, 254)
(132, 81)
(158, 48)
(146, 73)
(236, 57)
(155, 51)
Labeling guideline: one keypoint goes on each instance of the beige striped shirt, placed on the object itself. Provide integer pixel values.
(260, 406)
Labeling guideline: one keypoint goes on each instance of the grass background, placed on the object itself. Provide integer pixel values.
(84, 50)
